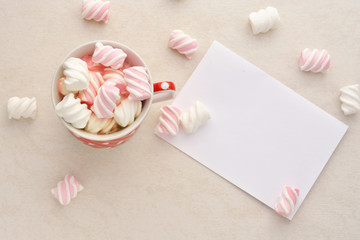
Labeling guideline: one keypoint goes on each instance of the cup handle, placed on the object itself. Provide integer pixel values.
(163, 91)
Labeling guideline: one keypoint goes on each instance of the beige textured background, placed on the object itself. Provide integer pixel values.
(147, 189)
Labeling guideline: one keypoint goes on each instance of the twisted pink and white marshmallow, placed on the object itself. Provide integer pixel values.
(67, 189)
(97, 10)
(287, 200)
(138, 84)
(106, 101)
(169, 120)
(108, 56)
(314, 61)
(117, 77)
(88, 95)
(183, 43)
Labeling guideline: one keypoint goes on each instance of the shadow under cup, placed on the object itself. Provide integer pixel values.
(122, 135)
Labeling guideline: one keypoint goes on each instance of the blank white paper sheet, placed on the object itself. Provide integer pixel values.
(262, 135)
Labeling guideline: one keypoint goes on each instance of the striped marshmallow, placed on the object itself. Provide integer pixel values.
(138, 84)
(67, 189)
(106, 100)
(314, 61)
(88, 95)
(169, 120)
(108, 56)
(287, 201)
(183, 43)
(97, 10)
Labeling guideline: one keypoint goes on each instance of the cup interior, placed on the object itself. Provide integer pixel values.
(88, 49)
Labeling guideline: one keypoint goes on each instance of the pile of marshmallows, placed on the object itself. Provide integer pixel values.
(102, 93)
(84, 82)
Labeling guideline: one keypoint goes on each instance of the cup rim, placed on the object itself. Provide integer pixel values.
(111, 136)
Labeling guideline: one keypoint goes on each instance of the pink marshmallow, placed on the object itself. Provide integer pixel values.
(67, 189)
(183, 43)
(97, 10)
(138, 84)
(109, 56)
(169, 120)
(287, 201)
(314, 61)
(88, 95)
(106, 101)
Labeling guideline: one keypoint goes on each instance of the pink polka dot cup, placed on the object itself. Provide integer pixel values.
(159, 91)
